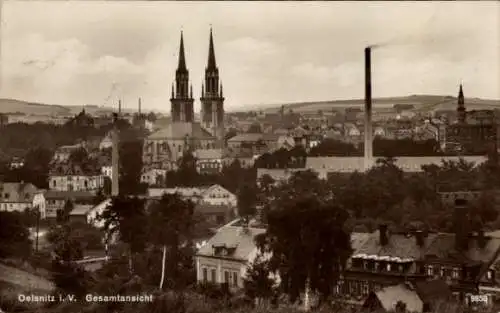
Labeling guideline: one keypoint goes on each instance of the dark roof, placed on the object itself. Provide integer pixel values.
(443, 246)
(399, 245)
(433, 290)
(74, 195)
(68, 169)
(207, 208)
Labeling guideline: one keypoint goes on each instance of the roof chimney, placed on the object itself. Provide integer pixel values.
(461, 224)
(384, 236)
(481, 239)
(420, 238)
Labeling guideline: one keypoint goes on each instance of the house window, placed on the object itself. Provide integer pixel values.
(213, 278)
(226, 277)
(205, 274)
(430, 270)
(54, 183)
(235, 279)
(365, 288)
(6, 196)
(455, 273)
(388, 267)
(489, 275)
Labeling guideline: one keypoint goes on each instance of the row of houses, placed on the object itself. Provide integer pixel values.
(325, 166)
(386, 266)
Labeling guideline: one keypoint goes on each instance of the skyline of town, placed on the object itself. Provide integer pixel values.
(102, 60)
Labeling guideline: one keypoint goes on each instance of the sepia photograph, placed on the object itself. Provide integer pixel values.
(249, 156)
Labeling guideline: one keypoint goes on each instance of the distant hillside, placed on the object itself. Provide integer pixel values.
(29, 108)
(420, 102)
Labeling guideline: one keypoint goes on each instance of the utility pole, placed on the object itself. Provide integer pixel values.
(37, 226)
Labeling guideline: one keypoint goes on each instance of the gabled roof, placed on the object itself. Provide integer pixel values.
(389, 296)
(208, 154)
(248, 137)
(64, 195)
(17, 192)
(399, 246)
(443, 246)
(232, 236)
(180, 131)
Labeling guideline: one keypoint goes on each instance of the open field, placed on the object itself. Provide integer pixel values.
(421, 103)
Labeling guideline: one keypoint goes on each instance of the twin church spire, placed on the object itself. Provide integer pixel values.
(212, 112)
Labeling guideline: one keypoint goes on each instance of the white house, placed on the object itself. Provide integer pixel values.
(106, 142)
(154, 176)
(21, 196)
(213, 195)
(73, 178)
(107, 170)
(226, 256)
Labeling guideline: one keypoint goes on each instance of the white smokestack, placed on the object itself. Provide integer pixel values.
(115, 159)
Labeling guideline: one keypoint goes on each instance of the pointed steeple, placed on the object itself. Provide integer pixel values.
(221, 93)
(461, 93)
(191, 92)
(211, 65)
(173, 94)
(181, 67)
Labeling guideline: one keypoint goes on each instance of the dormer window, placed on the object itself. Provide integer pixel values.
(430, 270)
(489, 275)
(388, 267)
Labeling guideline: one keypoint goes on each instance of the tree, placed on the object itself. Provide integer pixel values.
(258, 284)
(247, 199)
(131, 143)
(126, 217)
(68, 276)
(63, 215)
(14, 236)
(172, 222)
(306, 225)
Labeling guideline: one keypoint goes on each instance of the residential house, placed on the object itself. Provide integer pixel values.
(57, 199)
(154, 176)
(216, 214)
(285, 142)
(225, 258)
(69, 177)
(16, 163)
(407, 297)
(107, 170)
(80, 212)
(214, 195)
(244, 140)
(106, 142)
(63, 153)
(245, 157)
(209, 161)
(270, 140)
(386, 258)
(21, 196)
(379, 131)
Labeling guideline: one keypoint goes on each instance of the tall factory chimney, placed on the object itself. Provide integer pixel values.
(119, 107)
(115, 159)
(368, 157)
(139, 106)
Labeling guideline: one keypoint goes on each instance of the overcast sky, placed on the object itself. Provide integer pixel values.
(268, 52)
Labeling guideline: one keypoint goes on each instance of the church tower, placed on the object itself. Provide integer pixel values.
(461, 112)
(212, 99)
(182, 109)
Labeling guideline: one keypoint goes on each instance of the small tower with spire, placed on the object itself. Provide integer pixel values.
(182, 109)
(212, 99)
(461, 111)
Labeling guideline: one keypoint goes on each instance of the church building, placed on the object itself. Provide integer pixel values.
(475, 131)
(164, 147)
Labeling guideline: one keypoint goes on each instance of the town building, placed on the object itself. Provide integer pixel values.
(69, 177)
(154, 177)
(21, 196)
(183, 133)
(225, 258)
(56, 200)
(474, 131)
